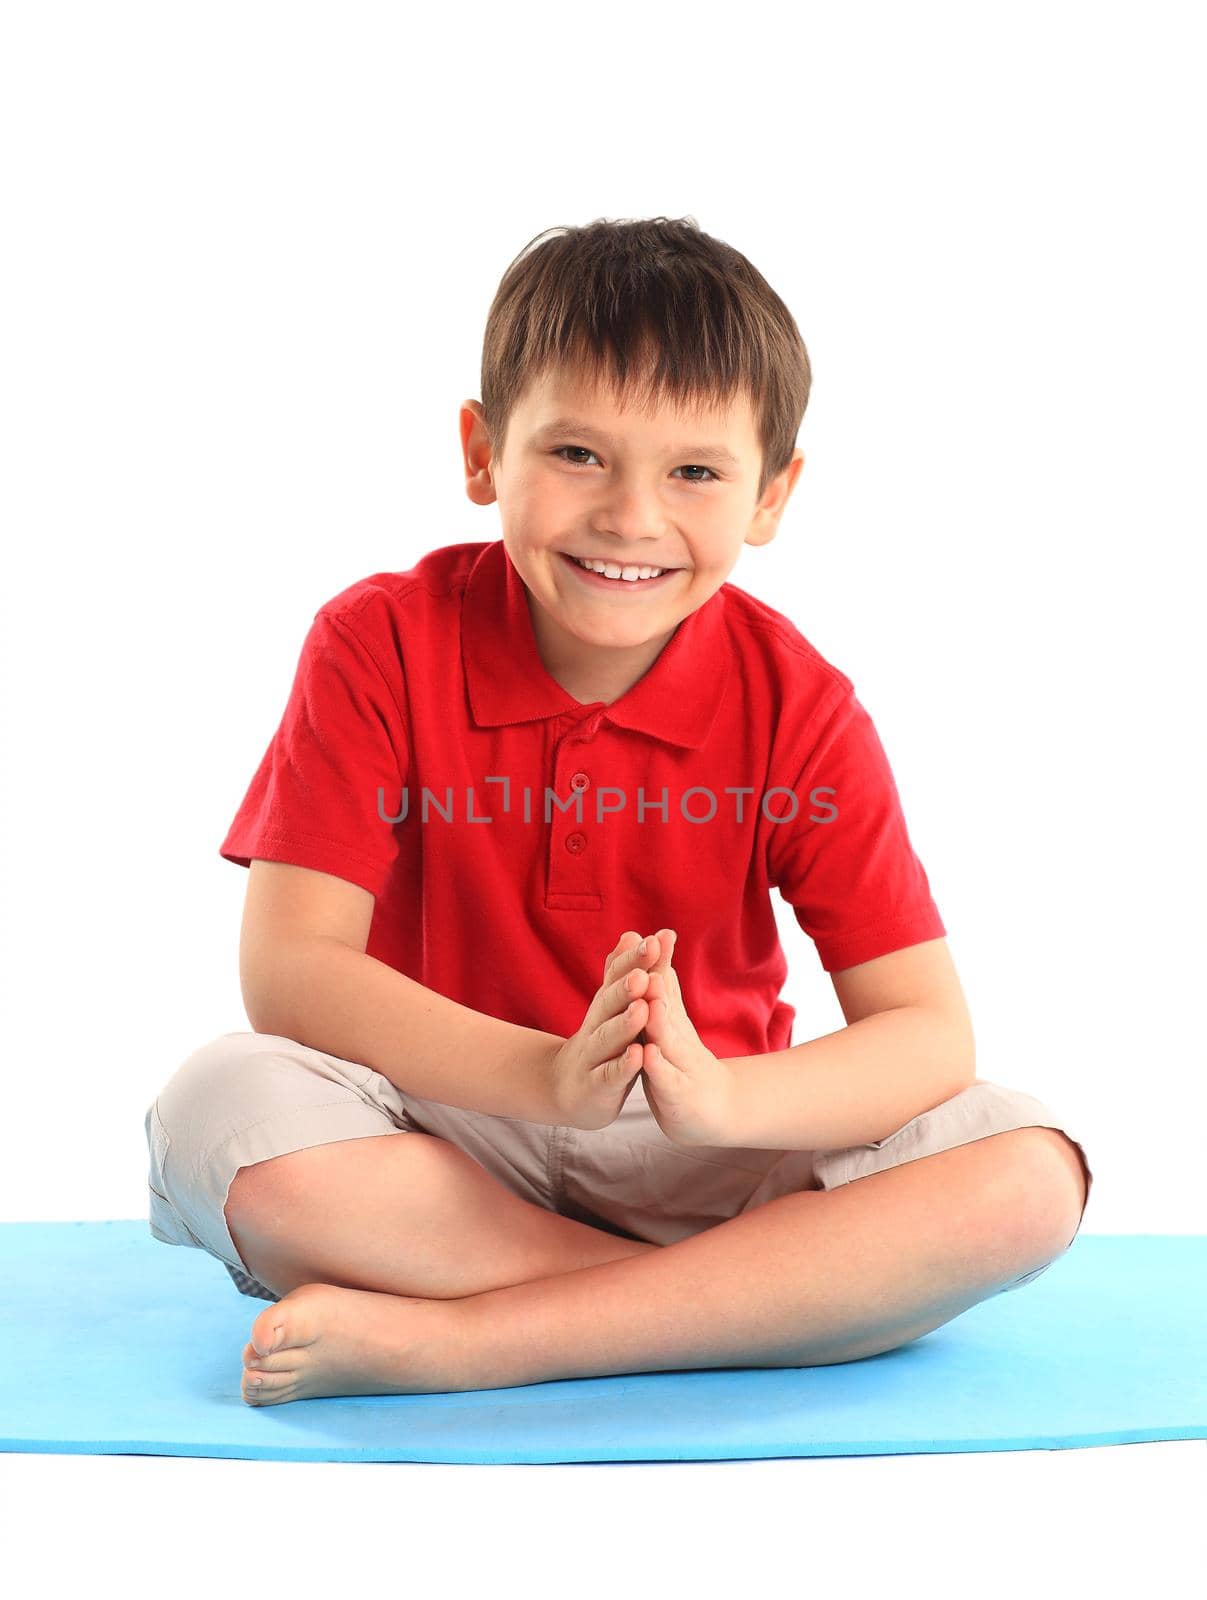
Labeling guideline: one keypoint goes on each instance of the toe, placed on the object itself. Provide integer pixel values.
(267, 1331)
(268, 1389)
(254, 1364)
(279, 1361)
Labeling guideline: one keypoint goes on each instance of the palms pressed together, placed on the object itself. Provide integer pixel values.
(687, 1087)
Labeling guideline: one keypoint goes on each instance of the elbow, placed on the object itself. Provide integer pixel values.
(287, 987)
(964, 1051)
(270, 990)
(955, 1046)
(262, 1015)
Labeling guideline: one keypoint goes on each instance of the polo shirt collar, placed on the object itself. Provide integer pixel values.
(507, 681)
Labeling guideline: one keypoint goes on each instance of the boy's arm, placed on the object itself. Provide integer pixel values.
(305, 975)
(908, 1046)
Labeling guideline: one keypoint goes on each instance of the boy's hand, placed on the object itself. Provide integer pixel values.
(688, 1089)
(596, 1068)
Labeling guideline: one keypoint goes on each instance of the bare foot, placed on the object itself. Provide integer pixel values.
(320, 1339)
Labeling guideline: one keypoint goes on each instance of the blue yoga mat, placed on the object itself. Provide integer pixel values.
(116, 1344)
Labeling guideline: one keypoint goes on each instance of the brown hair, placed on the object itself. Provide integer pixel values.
(655, 298)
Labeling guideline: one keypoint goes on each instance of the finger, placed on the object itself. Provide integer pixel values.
(611, 1035)
(631, 945)
(655, 986)
(626, 1057)
(629, 940)
(656, 1064)
(664, 1069)
(609, 999)
(644, 954)
(612, 998)
(631, 986)
(667, 939)
(662, 993)
(617, 991)
(626, 1060)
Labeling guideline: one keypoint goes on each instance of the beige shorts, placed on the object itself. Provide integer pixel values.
(248, 1097)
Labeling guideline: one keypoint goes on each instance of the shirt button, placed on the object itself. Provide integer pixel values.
(580, 780)
(576, 842)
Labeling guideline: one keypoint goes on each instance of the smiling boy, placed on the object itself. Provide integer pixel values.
(599, 636)
(614, 1159)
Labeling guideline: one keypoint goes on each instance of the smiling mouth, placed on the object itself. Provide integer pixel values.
(619, 581)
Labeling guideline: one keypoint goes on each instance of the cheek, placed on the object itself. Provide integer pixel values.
(546, 512)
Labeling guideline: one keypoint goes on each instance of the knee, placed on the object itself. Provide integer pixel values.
(210, 1067)
(193, 1106)
(1055, 1188)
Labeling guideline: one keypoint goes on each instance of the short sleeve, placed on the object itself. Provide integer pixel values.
(314, 800)
(852, 878)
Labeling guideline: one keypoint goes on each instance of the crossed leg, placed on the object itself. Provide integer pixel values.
(809, 1279)
(403, 1213)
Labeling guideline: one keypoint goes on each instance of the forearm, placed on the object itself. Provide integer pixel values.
(855, 1086)
(338, 999)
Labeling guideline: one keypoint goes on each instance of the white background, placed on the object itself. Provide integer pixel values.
(250, 251)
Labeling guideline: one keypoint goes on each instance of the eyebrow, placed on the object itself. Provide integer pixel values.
(690, 453)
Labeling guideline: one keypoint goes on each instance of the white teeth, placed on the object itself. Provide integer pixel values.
(610, 569)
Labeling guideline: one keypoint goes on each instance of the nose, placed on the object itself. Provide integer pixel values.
(632, 522)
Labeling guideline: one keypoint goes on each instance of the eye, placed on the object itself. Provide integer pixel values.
(561, 450)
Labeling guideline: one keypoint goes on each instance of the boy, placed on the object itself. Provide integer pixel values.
(496, 773)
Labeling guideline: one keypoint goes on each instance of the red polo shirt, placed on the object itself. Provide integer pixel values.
(426, 685)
